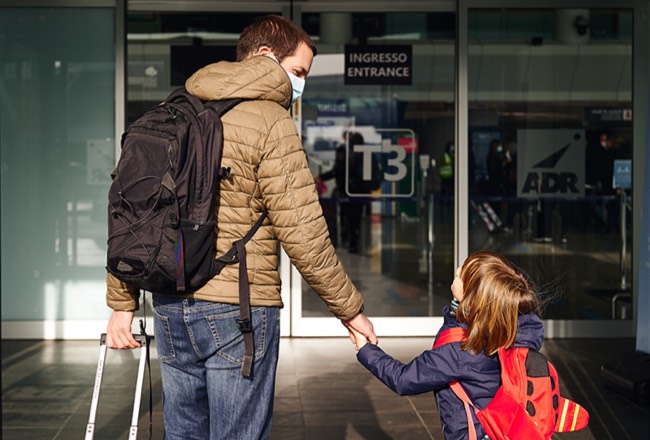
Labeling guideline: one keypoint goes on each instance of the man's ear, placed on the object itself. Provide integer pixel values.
(263, 50)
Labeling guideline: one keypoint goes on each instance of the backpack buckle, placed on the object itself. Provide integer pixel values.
(225, 172)
(245, 325)
(173, 219)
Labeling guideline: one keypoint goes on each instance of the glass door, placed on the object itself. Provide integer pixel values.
(58, 139)
(377, 122)
(548, 89)
(550, 148)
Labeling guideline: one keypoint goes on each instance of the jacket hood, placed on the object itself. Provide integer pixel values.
(530, 332)
(530, 329)
(257, 78)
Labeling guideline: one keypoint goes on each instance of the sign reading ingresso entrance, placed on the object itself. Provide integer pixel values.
(378, 65)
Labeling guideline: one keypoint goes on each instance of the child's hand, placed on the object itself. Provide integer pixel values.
(359, 339)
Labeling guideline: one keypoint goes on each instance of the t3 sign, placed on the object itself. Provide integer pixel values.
(550, 163)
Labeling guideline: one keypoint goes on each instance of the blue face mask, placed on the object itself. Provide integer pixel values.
(298, 85)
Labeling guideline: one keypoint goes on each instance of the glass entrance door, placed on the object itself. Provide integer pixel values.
(550, 149)
(377, 121)
(547, 89)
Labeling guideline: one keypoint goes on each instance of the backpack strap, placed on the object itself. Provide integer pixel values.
(454, 334)
(221, 107)
(237, 253)
(233, 255)
(458, 334)
(460, 392)
(244, 321)
(182, 93)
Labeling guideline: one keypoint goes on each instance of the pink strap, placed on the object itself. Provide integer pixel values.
(462, 395)
(470, 422)
(458, 334)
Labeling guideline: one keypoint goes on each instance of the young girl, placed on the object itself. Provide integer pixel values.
(497, 304)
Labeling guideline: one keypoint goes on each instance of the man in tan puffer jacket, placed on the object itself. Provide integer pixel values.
(197, 338)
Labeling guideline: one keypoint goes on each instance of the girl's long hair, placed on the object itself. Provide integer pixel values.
(495, 293)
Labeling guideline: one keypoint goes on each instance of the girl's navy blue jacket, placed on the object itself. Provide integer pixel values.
(434, 370)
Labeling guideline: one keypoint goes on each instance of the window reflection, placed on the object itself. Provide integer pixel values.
(544, 86)
(533, 74)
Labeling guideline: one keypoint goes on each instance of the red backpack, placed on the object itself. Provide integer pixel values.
(528, 404)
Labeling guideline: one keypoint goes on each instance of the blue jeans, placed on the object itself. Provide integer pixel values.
(200, 349)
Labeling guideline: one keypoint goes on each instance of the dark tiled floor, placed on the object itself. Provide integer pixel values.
(321, 393)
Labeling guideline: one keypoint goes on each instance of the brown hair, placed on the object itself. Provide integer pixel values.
(495, 293)
(280, 34)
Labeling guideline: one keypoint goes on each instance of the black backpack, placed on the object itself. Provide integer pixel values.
(161, 203)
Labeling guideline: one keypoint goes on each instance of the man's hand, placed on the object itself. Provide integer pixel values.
(361, 324)
(359, 339)
(118, 332)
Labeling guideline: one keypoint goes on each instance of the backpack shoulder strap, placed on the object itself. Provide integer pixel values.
(223, 105)
(515, 365)
(233, 255)
(182, 94)
(237, 253)
(454, 334)
(459, 391)
(458, 334)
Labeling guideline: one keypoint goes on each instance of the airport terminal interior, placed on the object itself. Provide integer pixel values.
(514, 129)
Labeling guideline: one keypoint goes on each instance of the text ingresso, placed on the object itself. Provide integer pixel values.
(393, 57)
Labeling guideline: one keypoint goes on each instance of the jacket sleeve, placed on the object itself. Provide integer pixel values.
(430, 371)
(120, 296)
(289, 194)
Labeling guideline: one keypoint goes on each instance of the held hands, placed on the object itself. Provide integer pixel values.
(359, 339)
(361, 331)
(118, 332)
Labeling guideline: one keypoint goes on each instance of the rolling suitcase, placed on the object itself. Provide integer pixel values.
(133, 431)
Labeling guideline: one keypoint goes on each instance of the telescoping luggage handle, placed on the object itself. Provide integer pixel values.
(133, 431)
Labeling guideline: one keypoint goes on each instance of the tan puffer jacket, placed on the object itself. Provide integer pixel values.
(270, 170)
